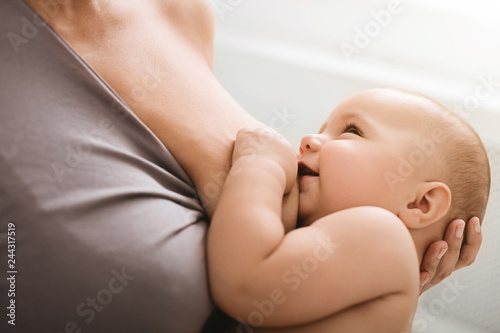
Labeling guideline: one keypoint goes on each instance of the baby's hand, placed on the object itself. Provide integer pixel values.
(267, 143)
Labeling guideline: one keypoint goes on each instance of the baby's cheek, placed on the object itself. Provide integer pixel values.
(350, 185)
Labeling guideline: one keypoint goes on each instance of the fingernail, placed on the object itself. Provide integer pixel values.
(460, 230)
(424, 282)
(441, 253)
(477, 226)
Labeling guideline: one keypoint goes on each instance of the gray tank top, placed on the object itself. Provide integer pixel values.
(108, 230)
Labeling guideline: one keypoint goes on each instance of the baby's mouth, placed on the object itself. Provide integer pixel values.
(304, 170)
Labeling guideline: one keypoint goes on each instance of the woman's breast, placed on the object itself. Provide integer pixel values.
(159, 62)
(195, 20)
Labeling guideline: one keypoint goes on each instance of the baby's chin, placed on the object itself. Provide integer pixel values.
(308, 208)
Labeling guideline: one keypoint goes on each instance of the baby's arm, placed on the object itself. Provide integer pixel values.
(262, 276)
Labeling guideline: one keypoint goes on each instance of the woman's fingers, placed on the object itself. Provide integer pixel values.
(470, 248)
(430, 262)
(453, 237)
(443, 257)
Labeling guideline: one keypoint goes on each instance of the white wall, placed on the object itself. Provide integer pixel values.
(422, 48)
(282, 60)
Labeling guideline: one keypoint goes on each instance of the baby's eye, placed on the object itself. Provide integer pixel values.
(351, 128)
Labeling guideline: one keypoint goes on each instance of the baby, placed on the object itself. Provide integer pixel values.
(378, 184)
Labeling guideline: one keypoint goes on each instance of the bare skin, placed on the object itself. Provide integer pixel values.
(317, 278)
(349, 260)
(128, 42)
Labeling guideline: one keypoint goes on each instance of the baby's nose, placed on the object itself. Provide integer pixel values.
(311, 142)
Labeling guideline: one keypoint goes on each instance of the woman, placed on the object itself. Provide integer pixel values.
(157, 56)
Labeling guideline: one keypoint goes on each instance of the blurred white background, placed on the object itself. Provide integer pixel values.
(290, 62)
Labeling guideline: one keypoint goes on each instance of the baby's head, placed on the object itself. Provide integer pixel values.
(399, 151)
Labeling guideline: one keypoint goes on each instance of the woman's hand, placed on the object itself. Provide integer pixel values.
(267, 143)
(445, 256)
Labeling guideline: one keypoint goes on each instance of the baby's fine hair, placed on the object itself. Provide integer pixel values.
(465, 163)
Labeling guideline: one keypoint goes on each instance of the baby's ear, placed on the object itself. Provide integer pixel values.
(431, 203)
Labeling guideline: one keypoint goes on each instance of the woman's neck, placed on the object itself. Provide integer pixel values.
(85, 12)
(87, 23)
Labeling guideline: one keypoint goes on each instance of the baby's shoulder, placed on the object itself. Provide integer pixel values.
(365, 220)
(375, 225)
(377, 239)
